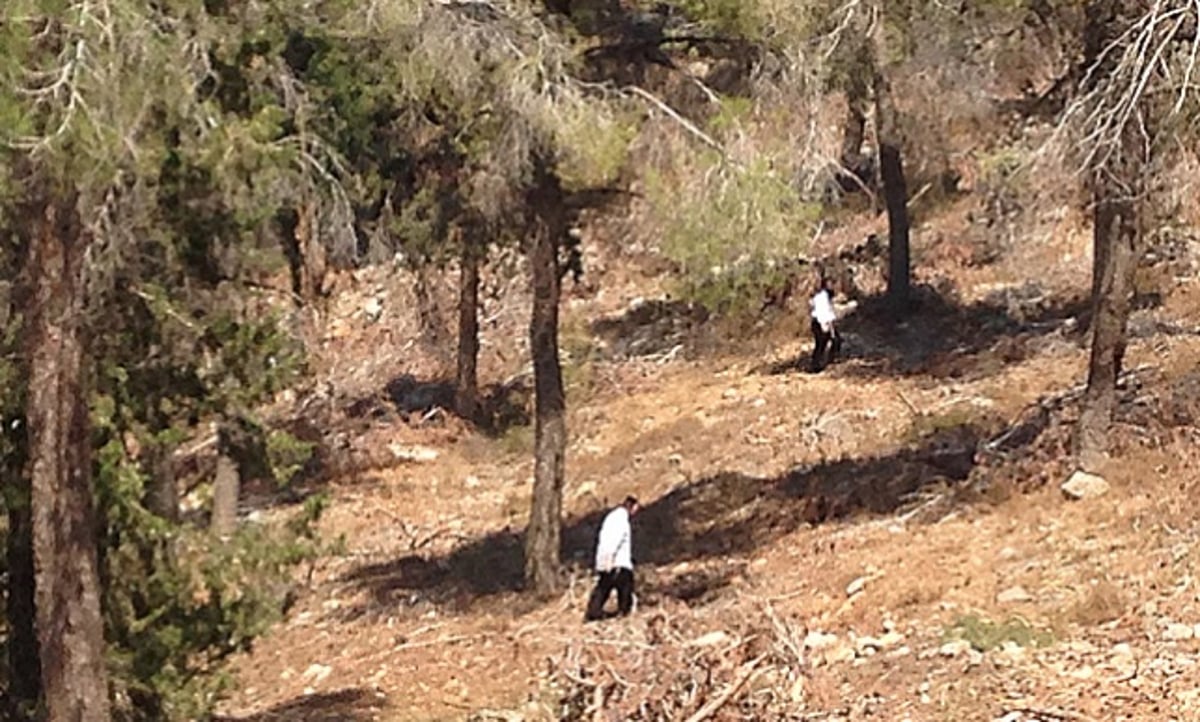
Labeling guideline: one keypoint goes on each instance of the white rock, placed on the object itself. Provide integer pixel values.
(710, 639)
(891, 639)
(866, 646)
(316, 673)
(1013, 595)
(1176, 632)
(819, 640)
(471, 482)
(954, 648)
(373, 309)
(1082, 485)
(1011, 651)
(856, 586)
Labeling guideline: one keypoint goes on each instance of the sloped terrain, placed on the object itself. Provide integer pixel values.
(885, 540)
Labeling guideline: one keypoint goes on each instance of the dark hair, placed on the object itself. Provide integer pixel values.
(630, 501)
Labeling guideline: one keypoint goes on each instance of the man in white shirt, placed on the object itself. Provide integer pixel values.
(614, 561)
(825, 335)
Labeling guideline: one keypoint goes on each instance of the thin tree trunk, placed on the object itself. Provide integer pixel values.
(466, 388)
(542, 539)
(24, 669)
(1117, 190)
(895, 193)
(163, 496)
(891, 170)
(1116, 238)
(69, 622)
(226, 489)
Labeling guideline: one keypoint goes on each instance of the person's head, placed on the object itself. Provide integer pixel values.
(631, 505)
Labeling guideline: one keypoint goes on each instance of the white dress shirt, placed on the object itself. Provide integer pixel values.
(822, 309)
(614, 546)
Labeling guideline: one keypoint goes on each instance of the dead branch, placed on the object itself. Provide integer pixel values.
(1051, 713)
(678, 118)
(748, 671)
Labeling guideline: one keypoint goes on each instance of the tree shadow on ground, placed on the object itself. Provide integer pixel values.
(723, 515)
(501, 406)
(943, 338)
(650, 328)
(345, 705)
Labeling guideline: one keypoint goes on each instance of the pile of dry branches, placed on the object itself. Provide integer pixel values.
(663, 666)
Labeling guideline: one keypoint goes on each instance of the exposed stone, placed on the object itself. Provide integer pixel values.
(1176, 632)
(954, 648)
(1013, 595)
(819, 640)
(1083, 485)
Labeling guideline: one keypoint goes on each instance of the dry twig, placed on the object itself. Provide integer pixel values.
(709, 709)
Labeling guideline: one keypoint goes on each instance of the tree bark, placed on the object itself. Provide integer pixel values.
(162, 498)
(466, 388)
(1116, 237)
(306, 256)
(226, 488)
(543, 537)
(895, 187)
(895, 194)
(1118, 188)
(69, 622)
(24, 669)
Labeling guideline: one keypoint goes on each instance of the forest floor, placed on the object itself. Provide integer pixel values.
(885, 540)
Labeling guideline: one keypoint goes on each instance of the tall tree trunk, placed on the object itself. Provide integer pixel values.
(226, 487)
(162, 498)
(466, 388)
(24, 669)
(542, 539)
(69, 622)
(1117, 191)
(891, 169)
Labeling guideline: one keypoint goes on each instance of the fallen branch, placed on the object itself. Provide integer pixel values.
(1058, 714)
(748, 671)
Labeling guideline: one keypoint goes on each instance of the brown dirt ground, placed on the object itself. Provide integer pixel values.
(763, 487)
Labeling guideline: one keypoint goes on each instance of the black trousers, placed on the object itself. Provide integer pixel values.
(826, 346)
(618, 579)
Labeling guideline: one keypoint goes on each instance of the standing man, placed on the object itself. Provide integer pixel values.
(825, 335)
(614, 561)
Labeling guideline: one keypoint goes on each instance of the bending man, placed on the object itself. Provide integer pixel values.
(614, 561)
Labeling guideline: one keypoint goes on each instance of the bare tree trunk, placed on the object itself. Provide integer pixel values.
(226, 488)
(466, 388)
(543, 537)
(1117, 189)
(1116, 237)
(69, 622)
(895, 193)
(891, 170)
(163, 496)
(24, 669)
